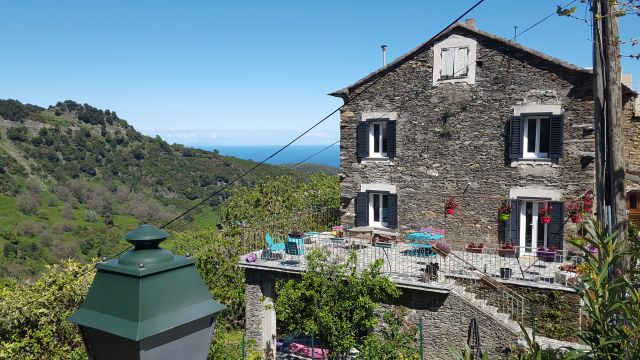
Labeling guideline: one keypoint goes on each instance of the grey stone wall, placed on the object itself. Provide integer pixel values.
(260, 315)
(446, 319)
(465, 156)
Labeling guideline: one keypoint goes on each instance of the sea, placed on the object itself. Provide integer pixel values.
(292, 154)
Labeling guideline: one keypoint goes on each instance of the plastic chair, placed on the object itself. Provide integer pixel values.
(274, 246)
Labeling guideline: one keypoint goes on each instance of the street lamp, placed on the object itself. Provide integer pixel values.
(147, 304)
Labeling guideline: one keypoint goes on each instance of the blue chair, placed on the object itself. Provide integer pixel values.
(273, 246)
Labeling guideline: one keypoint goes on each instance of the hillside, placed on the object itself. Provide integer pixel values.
(73, 178)
(312, 168)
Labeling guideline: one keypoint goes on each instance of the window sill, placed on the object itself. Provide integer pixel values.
(386, 160)
(535, 162)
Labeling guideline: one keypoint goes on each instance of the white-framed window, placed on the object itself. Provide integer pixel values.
(535, 137)
(454, 62)
(378, 209)
(378, 139)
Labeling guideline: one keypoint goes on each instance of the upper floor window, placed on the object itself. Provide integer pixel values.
(376, 138)
(536, 136)
(378, 143)
(454, 60)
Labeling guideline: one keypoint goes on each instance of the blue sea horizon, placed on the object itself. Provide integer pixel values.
(292, 154)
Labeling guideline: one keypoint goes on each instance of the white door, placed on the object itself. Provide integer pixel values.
(533, 233)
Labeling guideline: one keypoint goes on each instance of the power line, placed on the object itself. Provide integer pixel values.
(317, 153)
(346, 102)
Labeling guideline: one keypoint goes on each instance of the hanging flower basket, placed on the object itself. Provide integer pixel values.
(545, 213)
(504, 210)
(450, 206)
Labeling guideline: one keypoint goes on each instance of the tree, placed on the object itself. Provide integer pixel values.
(309, 304)
(28, 204)
(67, 212)
(34, 314)
(18, 134)
(91, 216)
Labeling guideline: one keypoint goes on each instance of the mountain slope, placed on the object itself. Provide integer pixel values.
(74, 178)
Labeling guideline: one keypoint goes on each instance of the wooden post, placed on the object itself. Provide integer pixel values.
(609, 131)
(598, 102)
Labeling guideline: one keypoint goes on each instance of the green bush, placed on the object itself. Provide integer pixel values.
(333, 300)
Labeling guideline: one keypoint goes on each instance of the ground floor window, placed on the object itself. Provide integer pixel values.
(533, 233)
(378, 209)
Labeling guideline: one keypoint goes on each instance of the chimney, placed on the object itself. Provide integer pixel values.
(471, 22)
(384, 54)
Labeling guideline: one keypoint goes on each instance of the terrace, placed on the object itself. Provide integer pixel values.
(416, 265)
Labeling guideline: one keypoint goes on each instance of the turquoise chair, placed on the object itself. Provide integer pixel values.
(273, 246)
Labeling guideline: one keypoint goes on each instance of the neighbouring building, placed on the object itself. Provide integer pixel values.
(481, 119)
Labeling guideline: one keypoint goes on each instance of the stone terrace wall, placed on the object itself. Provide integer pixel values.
(557, 312)
(466, 156)
(446, 319)
(631, 127)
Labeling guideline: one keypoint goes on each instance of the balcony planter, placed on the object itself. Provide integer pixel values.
(475, 248)
(507, 252)
(546, 255)
(441, 249)
(545, 219)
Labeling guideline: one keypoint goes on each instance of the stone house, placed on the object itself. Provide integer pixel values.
(481, 119)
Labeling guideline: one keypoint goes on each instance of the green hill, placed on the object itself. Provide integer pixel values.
(74, 178)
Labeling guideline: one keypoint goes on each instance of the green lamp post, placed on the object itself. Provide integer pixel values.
(147, 304)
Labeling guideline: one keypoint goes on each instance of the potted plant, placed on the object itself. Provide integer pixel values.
(547, 254)
(574, 211)
(475, 248)
(450, 206)
(545, 213)
(505, 210)
(441, 248)
(507, 250)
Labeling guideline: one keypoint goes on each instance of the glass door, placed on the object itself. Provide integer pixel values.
(533, 233)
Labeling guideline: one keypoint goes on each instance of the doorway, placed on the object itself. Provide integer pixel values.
(533, 233)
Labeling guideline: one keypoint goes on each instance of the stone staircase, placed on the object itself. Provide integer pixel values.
(491, 310)
(506, 319)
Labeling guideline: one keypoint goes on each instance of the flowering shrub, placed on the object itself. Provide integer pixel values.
(505, 207)
(450, 204)
(587, 202)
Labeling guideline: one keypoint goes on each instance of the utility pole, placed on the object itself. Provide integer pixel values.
(610, 175)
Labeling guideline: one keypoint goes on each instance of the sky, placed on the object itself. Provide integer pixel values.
(244, 72)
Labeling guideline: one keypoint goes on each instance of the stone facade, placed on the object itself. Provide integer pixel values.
(452, 138)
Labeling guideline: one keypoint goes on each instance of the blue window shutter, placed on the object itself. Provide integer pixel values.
(512, 226)
(391, 139)
(361, 140)
(556, 226)
(362, 209)
(515, 137)
(392, 215)
(556, 137)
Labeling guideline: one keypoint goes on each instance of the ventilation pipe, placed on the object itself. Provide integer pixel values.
(384, 55)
